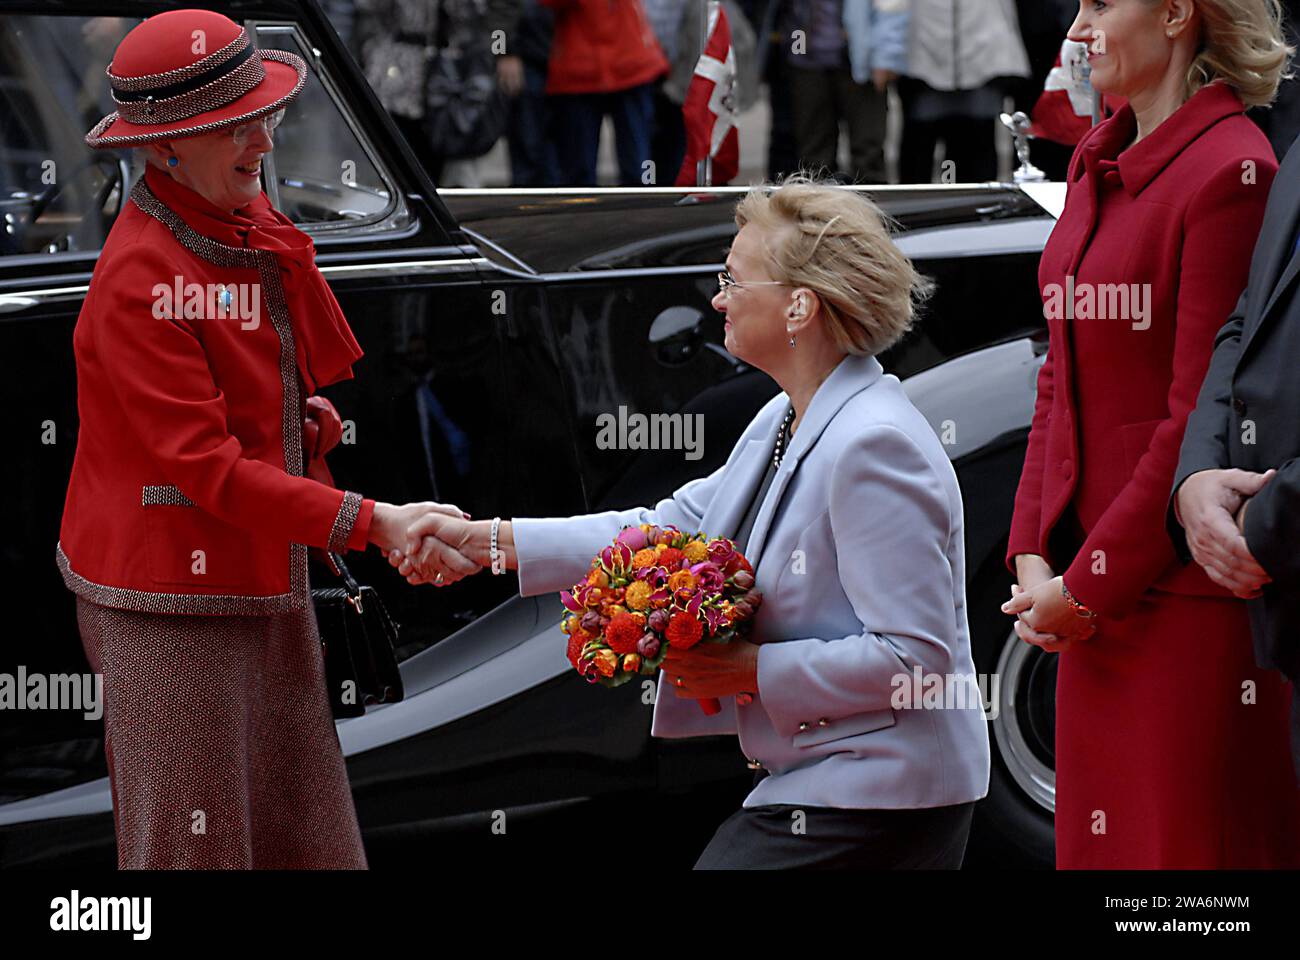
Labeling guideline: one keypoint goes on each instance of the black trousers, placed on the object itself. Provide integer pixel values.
(820, 99)
(968, 142)
(773, 837)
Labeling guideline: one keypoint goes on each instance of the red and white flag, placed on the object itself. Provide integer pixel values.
(710, 108)
(1063, 113)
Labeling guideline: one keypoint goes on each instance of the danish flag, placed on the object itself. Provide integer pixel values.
(709, 112)
(1063, 112)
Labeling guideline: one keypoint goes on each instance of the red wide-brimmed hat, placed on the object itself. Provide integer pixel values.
(188, 72)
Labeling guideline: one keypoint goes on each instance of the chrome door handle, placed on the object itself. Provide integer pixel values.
(11, 304)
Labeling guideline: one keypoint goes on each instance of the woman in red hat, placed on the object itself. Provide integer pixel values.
(199, 481)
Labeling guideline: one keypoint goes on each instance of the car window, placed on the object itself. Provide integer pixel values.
(323, 173)
(56, 193)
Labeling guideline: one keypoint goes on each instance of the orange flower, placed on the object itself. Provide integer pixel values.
(696, 552)
(631, 663)
(622, 633)
(598, 578)
(577, 640)
(684, 631)
(606, 662)
(638, 595)
(644, 558)
(681, 580)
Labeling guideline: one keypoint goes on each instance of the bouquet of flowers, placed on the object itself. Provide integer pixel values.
(654, 588)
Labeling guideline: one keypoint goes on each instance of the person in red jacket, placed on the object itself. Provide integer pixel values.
(1171, 744)
(604, 61)
(196, 489)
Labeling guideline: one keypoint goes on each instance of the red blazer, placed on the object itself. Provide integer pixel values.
(601, 46)
(1179, 211)
(187, 492)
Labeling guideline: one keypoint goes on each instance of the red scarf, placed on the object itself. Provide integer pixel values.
(322, 339)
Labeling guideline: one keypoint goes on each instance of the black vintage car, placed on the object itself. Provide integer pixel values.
(498, 325)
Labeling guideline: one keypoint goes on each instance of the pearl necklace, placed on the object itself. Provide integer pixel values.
(782, 438)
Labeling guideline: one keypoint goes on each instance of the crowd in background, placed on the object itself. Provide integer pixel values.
(457, 75)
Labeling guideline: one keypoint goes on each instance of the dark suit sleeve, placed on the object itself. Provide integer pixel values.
(1272, 525)
(1205, 444)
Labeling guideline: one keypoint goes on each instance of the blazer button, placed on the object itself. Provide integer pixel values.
(803, 726)
(1239, 406)
(823, 722)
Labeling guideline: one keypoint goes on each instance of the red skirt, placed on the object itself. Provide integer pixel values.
(221, 748)
(1172, 747)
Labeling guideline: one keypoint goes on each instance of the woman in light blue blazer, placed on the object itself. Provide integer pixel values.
(844, 500)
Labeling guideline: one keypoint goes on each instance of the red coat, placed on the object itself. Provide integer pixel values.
(1179, 211)
(191, 434)
(601, 46)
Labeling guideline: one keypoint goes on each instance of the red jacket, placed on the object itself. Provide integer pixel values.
(600, 46)
(1180, 211)
(187, 492)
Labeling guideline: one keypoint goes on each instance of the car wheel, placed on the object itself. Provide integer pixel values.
(1014, 822)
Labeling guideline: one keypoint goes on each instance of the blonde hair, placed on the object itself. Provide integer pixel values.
(836, 242)
(1243, 45)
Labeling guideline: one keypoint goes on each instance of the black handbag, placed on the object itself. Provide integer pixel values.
(358, 640)
(444, 77)
(466, 110)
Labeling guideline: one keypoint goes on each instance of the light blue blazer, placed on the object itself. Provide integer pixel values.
(857, 549)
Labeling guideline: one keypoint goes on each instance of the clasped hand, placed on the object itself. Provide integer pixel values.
(1212, 506)
(1043, 617)
(443, 545)
(426, 541)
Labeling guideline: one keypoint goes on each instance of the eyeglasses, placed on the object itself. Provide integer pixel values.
(726, 283)
(244, 132)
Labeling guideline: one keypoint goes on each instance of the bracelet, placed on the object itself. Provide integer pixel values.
(1073, 603)
(498, 556)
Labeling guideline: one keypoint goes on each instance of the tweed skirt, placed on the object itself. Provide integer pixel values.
(221, 748)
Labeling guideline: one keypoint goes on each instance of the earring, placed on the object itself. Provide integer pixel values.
(172, 161)
(792, 341)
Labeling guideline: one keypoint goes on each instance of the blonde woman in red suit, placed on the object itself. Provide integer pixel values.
(199, 482)
(1171, 745)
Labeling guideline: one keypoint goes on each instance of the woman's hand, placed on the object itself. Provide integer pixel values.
(1045, 619)
(388, 531)
(1031, 570)
(472, 539)
(713, 669)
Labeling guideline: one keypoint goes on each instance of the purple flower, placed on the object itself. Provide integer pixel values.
(709, 575)
(712, 616)
(648, 646)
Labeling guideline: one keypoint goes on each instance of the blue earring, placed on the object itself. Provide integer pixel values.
(172, 161)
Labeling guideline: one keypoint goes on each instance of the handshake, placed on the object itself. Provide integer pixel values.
(437, 543)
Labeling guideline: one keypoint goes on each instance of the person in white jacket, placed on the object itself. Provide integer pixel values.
(960, 55)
